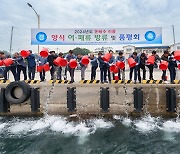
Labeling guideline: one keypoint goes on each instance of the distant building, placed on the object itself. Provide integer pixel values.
(103, 49)
(175, 47)
(149, 49)
(129, 49)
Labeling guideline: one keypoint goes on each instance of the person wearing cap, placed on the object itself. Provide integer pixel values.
(112, 60)
(50, 60)
(68, 57)
(94, 66)
(31, 65)
(121, 58)
(103, 68)
(21, 66)
(62, 71)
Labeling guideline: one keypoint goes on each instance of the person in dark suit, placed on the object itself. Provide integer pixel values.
(68, 57)
(50, 60)
(121, 58)
(135, 68)
(141, 65)
(11, 68)
(62, 71)
(111, 61)
(21, 66)
(94, 66)
(31, 65)
(165, 57)
(103, 68)
(172, 67)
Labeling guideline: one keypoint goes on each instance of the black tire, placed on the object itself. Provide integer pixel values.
(9, 92)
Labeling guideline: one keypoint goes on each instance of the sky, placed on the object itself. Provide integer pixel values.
(84, 14)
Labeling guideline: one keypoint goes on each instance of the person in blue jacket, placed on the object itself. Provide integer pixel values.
(11, 68)
(82, 66)
(112, 60)
(165, 57)
(31, 66)
(68, 57)
(94, 66)
(172, 67)
(42, 61)
(62, 71)
(121, 58)
(21, 66)
(141, 65)
(103, 68)
(135, 68)
(50, 60)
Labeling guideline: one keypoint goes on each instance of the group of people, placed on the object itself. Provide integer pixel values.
(141, 64)
(20, 64)
(30, 63)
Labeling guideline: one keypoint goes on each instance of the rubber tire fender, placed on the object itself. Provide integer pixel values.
(9, 92)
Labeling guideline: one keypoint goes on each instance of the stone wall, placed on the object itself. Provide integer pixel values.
(53, 100)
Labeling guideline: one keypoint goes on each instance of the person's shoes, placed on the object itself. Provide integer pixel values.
(70, 82)
(105, 81)
(102, 82)
(165, 82)
(134, 82)
(172, 82)
(82, 78)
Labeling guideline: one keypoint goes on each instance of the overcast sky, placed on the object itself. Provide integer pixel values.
(85, 14)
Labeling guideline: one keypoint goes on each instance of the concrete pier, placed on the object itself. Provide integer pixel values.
(53, 100)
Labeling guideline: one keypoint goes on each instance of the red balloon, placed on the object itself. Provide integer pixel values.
(163, 65)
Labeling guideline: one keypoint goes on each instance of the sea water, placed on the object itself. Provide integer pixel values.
(57, 134)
